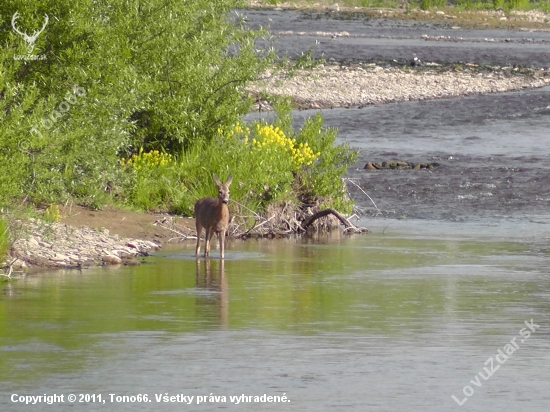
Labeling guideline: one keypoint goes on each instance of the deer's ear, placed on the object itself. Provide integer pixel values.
(216, 180)
(229, 179)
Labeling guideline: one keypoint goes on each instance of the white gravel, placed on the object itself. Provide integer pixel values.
(342, 86)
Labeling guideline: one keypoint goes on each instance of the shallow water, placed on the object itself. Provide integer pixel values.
(350, 323)
(386, 40)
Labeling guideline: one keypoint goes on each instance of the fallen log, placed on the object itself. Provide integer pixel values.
(349, 226)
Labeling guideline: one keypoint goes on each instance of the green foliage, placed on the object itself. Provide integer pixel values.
(4, 239)
(56, 135)
(439, 3)
(153, 179)
(160, 84)
(52, 214)
(322, 181)
(110, 78)
(425, 4)
(517, 4)
(269, 163)
(506, 5)
(192, 71)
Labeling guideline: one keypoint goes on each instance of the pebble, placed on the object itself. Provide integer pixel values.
(111, 259)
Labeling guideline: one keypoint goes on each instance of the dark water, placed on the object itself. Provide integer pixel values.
(387, 40)
(493, 151)
(401, 319)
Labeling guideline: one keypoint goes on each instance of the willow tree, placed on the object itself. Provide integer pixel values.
(101, 78)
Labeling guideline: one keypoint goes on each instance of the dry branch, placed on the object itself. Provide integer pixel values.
(349, 226)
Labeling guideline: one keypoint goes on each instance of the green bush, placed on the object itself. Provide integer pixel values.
(115, 76)
(4, 239)
(425, 4)
(270, 163)
(160, 85)
(517, 4)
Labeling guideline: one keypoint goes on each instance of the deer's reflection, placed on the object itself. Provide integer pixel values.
(215, 301)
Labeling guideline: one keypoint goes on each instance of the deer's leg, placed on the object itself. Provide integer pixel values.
(221, 237)
(207, 242)
(198, 247)
(210, 236)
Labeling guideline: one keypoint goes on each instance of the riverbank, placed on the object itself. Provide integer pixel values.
(87, 237)
(58, 245)
(340, 85)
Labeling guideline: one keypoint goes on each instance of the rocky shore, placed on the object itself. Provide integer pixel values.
(335, 85)
(57, 245)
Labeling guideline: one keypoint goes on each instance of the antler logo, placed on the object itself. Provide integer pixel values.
(29, 39)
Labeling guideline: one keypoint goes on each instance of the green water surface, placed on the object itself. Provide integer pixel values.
(56, 322)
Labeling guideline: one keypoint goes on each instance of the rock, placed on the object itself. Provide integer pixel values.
(19, 264)
(416, 62)
(111, 260)
(60, 258)
(399, 164)
(59, 245)
(131, 262)
(151, 245)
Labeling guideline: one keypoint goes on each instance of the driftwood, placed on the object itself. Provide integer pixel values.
(280, 221)
(349, 226)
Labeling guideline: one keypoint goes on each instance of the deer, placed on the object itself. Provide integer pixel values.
(29, 39)
(212, 214)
